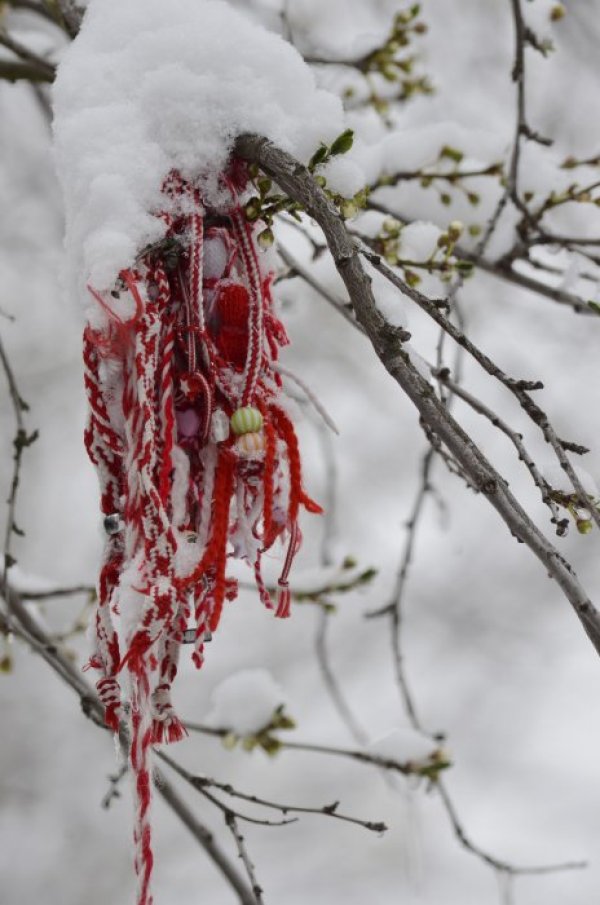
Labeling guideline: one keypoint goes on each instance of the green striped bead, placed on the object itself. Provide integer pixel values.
(247, 420)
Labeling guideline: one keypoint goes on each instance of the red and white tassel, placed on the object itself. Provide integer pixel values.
(197, 461)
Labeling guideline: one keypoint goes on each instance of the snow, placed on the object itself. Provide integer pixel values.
(148, 87)
(414, 148)
(389, 301)
(348, 36)
(405, 744)
(559, 479)
(25, 582)
(245, 702)
(419, 241)
(343, 176)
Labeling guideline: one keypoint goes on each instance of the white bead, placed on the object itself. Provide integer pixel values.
(219, 426)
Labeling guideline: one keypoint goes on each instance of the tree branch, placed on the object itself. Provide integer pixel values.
(503, 270)
(205, 838)
(23, 72)
(47, 70)
(19, 621)
(299, 184)
(70, 13)
(202, 782)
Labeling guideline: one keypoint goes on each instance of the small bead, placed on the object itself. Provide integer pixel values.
(188, 423)
(251, 444)
(112, 523)
(219, 426)
(247, 420)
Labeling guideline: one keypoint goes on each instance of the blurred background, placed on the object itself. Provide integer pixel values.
(496, 660)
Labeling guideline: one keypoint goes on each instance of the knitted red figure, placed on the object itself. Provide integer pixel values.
(197, 460)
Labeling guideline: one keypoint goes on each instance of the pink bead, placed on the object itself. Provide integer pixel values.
(188, 423)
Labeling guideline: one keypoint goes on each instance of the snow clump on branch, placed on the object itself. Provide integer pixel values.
(149, 87)
(245, 702)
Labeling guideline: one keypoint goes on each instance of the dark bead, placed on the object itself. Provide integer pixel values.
(113, 524)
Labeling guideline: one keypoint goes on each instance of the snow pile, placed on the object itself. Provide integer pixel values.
(405, 746)
(245, 702)
(419, 241)
(334, 30)
(343, 176)
(150, 86)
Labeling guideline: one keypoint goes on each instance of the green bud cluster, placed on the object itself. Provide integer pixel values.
(441, 261)
(394, 63)
(264, 738)
(578, 509)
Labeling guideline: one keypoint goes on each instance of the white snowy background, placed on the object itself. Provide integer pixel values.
(496, 659)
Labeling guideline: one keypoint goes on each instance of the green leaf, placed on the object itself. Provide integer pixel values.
(413, 279)
(343, 143)
(320, 155)
(264, 186)
(452, 153)
(6, 665)
(270, 745)
(367, 576)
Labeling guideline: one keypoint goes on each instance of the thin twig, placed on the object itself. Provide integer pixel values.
(27, 55)
(34, 7)
(22, 72)
(72, 16)
(330, 681)
(232, 825)
(407, 768)
(57, 592)
(394, 607)
(503, 269)
(205, 839)
(521, 389)
(21, 441)
(516, 439)
(496, 863)
(202, 782)
(113, 789)
(343, 308)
